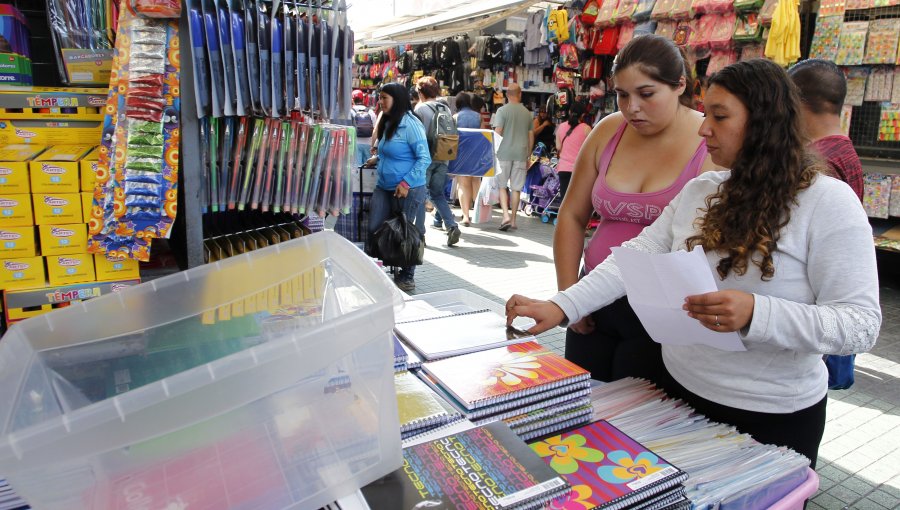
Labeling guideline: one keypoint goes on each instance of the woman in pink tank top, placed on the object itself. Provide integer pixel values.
(632, 165)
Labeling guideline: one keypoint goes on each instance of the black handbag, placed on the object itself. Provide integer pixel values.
(397, 242)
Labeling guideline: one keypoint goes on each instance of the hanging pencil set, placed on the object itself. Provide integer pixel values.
(272, 80)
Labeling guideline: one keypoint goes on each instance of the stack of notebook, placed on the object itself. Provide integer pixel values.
(401, 357)
(8, 498)
(421, 409)
(534, 390)
(609, 470)
(485, 468)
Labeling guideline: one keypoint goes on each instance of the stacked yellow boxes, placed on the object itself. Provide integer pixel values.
(20, 265)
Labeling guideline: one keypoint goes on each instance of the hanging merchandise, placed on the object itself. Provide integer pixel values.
(859, 4)
(643, 10)
(589, 12)
(884, 36)
(747, 28)
(767, 12)
(826, 38)
(832, 8)
(625, 11)
(880, 84)
(607, 14)
(856, 85)
(748, 5)
(83, 38)
(751, 51)
(626, 34)
(783, 45)
(895, 90)
(137, 175)
(852, 44)
(682, 10)
(662, 10)
(666, 28)
(558, 25)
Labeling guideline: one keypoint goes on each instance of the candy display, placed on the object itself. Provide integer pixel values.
(889, 126)
(135, 194)
(881, 47)
(879, 85)
(852, 44)
(876, 195)
(826, 38)
(856, 85)
(832, 8)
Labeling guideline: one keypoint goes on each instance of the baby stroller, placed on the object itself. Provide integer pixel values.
(543, 197)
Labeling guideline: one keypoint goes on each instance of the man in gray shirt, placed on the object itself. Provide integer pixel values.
(515, 124)
(436, 175)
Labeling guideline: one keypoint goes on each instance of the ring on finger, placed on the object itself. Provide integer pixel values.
(717, 321)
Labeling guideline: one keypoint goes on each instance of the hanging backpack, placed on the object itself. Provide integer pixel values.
(446, 52)
(568, 56)
(608, 42)
(589, 12)
(405, 62)
(593, 70)
(493, 52)
(362, 121)
(509, 50)
(558, 25)
(442, 135)
(519, 57)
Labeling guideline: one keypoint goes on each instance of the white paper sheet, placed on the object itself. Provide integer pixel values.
(656, 285)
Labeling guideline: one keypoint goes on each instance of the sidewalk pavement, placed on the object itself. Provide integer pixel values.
(859, 466)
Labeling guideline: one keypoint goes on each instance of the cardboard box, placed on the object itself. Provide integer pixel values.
(57, 208)
(16, 211)
(65, 269)
(63, 239)
(50, 132)
(88, 167)
(22, 273)
(56, 169)
(15, 70)
(17, 242)
(115, 269)
(14, 167)
(87, 203)
(23, 304)
(52, 102)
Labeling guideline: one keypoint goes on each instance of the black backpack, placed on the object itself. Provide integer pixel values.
(519, 57)
(425, 55)
(493, 51)
(405, 62)
(447, 52)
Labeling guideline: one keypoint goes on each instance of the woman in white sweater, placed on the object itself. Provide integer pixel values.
(793, 250)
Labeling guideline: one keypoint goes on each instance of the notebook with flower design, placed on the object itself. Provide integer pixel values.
(606, 468)
(480, 379)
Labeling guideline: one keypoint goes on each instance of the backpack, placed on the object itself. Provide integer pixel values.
(493, 51)
(592, 70)
(509, 50)
(447, 53)
(558, 25)
(405, 62)
(443, 138)
(362, 121)
(589, 13)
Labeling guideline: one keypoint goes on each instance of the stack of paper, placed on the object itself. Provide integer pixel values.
(534, 390)
(420, 408)
(8, 498)
(459, 333)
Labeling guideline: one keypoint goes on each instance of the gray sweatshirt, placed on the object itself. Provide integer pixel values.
(823, 299)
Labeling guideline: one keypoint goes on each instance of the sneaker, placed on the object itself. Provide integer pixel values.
(406, 284)
(453, 236)
(437, 226)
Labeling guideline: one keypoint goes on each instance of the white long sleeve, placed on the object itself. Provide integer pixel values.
(822, 299)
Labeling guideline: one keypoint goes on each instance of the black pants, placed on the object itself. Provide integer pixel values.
(800, 431)
(618, 347)
(564, 179)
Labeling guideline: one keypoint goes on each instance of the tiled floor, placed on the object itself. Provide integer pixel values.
(859, 461)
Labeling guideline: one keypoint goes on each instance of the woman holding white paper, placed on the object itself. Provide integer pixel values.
(797, 281)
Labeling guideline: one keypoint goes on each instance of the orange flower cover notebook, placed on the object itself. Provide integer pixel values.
(483, 378)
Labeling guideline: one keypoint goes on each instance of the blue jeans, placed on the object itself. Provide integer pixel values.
(382, 207)
(436, 178)
(363, 153)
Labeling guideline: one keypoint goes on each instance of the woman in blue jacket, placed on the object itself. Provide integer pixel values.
(403, 157)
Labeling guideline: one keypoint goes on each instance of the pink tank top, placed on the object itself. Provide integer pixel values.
(624, 215)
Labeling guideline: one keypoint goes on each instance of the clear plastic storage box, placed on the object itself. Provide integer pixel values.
(261, 382)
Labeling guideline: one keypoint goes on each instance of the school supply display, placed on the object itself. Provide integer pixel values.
(726, 469)
(881, 46)
(135, 195)
(826, 37)
(851, 48)
(501, 472)
(460, 333)
(83, 34)
(609, 470)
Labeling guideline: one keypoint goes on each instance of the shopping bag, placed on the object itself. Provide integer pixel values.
(483, 211)
(397, 242)
(840, 371)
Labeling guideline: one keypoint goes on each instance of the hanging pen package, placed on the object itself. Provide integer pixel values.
(83, 39)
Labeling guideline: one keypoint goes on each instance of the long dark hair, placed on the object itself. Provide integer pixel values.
(400, 106)
(745, 216)
(660, 59)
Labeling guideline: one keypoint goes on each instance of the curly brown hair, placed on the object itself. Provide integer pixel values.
(745, 216)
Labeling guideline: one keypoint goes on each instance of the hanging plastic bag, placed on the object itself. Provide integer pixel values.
(397, 242)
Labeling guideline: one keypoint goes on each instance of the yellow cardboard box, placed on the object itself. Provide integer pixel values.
(65, 269)
(116, 269)
(57, 208)
(17, 242)
(14, 167)
(22, 273)
(63, 239)
(50, 132)
(56, 170)
(15, 211)
(88, 166)
(87, 202)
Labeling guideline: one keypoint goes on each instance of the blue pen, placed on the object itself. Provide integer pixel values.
(315, 36)
(290, 71)
(240, 61)
(325, 67)
(200, 66)
(302, 68)
(336, 47)
(252, 49)
(277, 84)
(265, 69)
(227, 53)
(215, 59)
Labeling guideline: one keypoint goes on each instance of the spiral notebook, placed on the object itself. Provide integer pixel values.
(606, 468)
(500, 472)
(419, 407)
(481, 379)
(459, 333)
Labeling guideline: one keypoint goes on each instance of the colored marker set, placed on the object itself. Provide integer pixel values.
(270, 58)
(276, 165)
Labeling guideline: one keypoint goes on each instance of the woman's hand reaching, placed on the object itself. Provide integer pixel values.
(545, 313)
